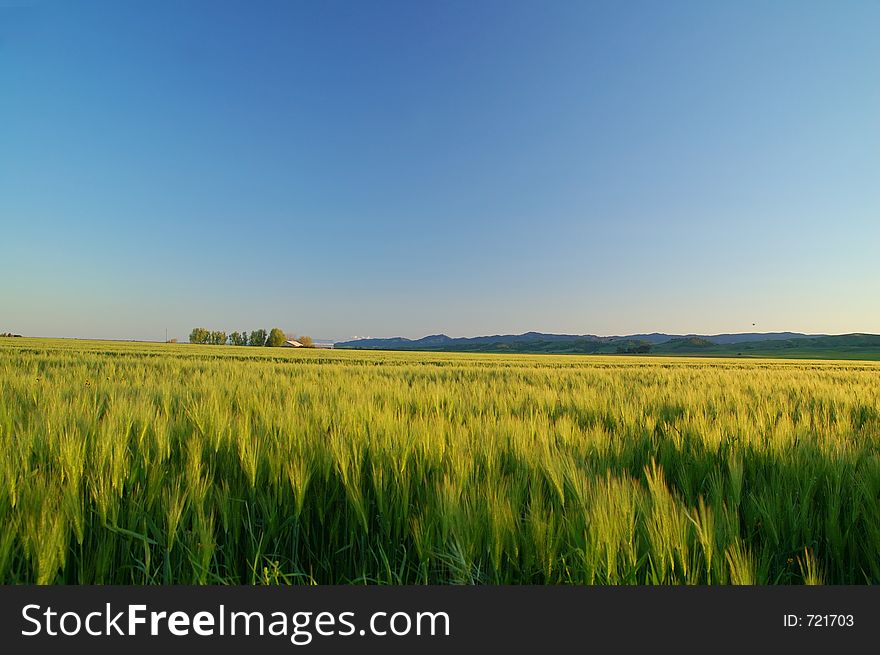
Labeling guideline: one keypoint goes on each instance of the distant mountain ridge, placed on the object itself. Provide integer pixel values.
(441, 340)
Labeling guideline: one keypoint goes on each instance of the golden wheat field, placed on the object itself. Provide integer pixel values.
(136, 463)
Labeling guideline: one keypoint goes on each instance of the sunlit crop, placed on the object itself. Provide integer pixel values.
(151, 464)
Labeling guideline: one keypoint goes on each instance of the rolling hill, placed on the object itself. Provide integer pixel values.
(774, 344)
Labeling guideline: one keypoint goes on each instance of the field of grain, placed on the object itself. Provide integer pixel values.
(153, 464)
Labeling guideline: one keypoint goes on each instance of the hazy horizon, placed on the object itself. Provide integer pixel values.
(319, 338)
(468, 168)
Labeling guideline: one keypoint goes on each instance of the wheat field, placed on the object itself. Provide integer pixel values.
(132, 463)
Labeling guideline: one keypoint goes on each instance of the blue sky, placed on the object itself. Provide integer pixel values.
(400, 168)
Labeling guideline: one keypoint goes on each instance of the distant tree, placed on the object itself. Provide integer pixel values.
(235, 339)
(218, 338)
(306, 340)
(172, 340)
(244, 338)
(258, 338)
(633, 348)
(199, 335)
(290, 336)
(276, 338)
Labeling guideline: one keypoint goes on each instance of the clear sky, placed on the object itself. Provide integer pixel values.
(470, 167)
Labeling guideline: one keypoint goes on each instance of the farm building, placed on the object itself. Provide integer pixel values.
(292, 344)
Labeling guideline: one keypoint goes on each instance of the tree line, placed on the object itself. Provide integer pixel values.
(634, 349)
(274, 338)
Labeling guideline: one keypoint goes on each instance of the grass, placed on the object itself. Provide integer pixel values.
(151, 464)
